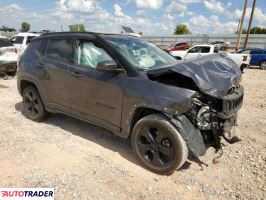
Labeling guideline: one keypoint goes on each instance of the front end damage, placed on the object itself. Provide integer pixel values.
(213, 113)
(215, 118)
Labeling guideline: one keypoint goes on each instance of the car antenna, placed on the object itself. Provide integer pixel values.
(62, 28)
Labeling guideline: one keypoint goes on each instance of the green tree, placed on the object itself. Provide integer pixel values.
(181, 29)
(25, 27)
(258, 30)
(77, 28)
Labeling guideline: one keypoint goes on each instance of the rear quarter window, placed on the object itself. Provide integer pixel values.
(31, 52)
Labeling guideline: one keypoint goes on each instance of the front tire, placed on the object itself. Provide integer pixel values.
(263, 65)
(33, 105)
(158, 144)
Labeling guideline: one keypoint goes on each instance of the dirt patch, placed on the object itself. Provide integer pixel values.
(83, 161)
(3, 86)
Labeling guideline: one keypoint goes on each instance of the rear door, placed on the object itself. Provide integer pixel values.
(55, 64)
(95, 95)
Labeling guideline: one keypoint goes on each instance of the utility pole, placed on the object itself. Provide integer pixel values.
(238, 26)
(250, 22)
(241, 25)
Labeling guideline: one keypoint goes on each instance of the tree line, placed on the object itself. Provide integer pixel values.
(180, 29)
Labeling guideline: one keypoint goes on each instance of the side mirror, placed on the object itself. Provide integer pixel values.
(109, 66)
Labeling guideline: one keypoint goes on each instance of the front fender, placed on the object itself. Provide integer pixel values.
(144, 93)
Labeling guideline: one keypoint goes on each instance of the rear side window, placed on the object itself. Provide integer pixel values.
(205, 49)
(60, 50)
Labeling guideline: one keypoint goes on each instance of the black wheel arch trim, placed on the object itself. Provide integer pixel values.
(191, 135)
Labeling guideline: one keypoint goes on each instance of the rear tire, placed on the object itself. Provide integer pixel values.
(158, 144)
(33, 105)
(263, 65)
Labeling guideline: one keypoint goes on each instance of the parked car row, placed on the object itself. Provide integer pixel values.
(242, 60)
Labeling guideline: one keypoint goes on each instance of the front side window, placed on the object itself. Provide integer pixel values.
(140, 54)
(89, 55)
(60, 49)
(194, 50)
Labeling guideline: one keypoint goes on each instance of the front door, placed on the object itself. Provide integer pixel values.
(95, 95)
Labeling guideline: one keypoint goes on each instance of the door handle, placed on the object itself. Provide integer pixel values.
(75, 74)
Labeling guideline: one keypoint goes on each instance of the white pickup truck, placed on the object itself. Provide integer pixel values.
(242, 60)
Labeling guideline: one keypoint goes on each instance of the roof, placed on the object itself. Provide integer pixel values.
(205, 45)
(254, 48)
(79, 34)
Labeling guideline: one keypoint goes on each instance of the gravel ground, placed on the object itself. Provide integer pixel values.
(82, 161)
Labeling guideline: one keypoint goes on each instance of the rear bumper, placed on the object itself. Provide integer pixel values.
(8, 67)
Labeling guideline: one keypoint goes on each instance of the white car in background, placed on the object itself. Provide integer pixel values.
(21, 40)
(8, 57)
(242, 60)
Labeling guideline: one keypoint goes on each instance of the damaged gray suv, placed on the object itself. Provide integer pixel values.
(169, 109)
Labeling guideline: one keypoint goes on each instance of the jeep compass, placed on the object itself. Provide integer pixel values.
(168, 108)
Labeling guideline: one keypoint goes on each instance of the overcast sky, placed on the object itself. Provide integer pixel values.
(152, 17)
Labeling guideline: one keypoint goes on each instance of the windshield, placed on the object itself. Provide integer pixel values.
(141, 54)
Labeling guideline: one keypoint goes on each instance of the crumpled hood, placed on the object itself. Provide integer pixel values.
(214, 75)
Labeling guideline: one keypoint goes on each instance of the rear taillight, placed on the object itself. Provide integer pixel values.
(14, 50)
(245, 58)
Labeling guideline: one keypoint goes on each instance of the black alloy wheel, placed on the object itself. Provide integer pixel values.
(158, 144)
(32, 104)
